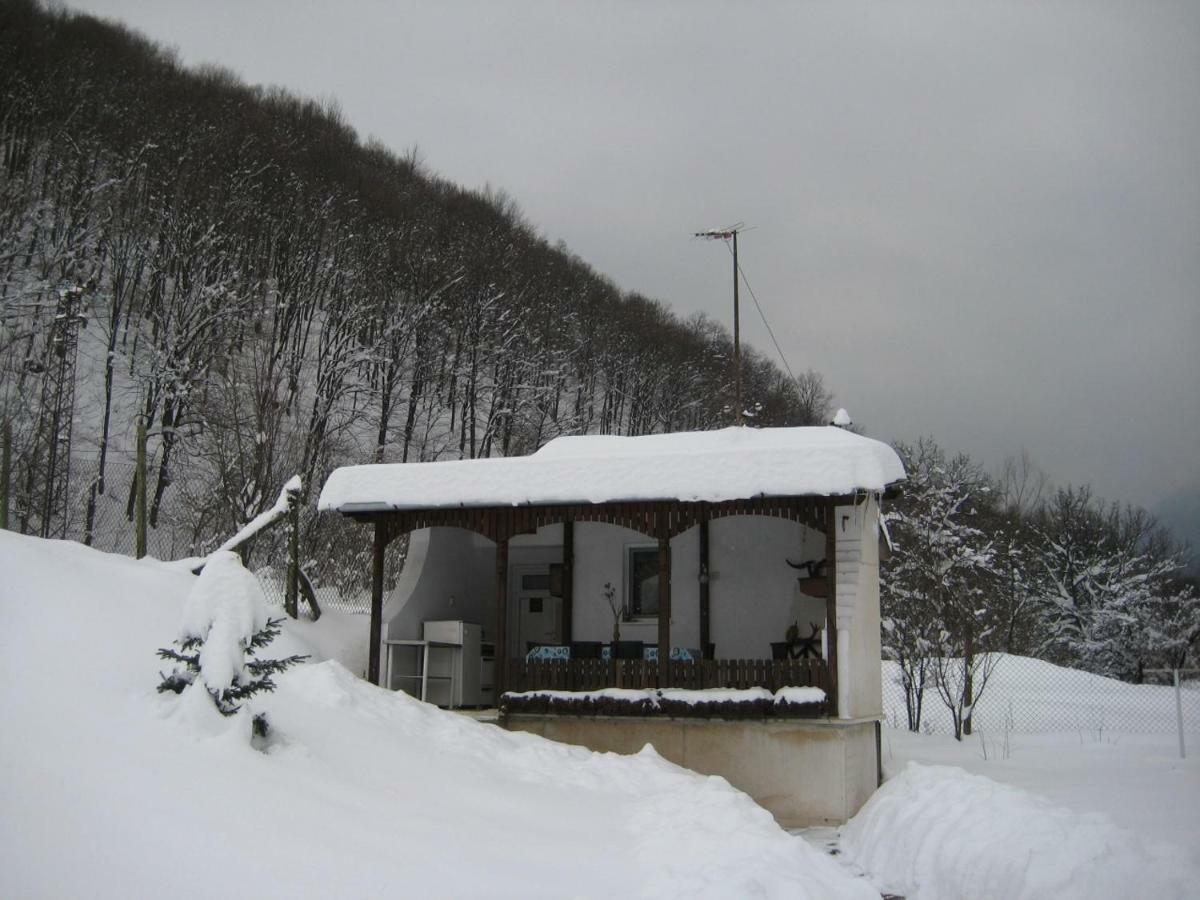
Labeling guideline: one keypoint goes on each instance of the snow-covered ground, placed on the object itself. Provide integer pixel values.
(1137, 780)
(1030, 696)
(109, 789)
(1058, 817)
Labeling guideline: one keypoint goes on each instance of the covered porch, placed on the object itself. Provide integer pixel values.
(577, 655)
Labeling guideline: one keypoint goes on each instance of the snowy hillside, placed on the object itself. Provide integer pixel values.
(108, 793)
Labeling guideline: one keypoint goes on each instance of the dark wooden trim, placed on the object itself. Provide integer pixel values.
(831, 630)
(704, 577)
(664, 599)
(568, 587)
(641, 516)
(378, 557)
(500, 638)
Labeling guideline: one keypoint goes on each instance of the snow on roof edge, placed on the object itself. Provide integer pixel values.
(727, 464)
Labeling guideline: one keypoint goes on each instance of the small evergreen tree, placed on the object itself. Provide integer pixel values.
(255, 676)
(224, 627)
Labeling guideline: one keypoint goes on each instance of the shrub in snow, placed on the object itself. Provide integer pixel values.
(224, 625)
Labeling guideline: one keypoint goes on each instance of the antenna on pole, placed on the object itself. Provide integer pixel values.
(725, 234)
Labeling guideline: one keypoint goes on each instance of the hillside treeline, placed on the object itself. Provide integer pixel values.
(989, 564)
(232, 266)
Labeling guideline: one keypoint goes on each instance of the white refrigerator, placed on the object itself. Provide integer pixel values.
(454, 671)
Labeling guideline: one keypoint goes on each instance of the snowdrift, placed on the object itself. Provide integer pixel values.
(109, 790)
(939, 833)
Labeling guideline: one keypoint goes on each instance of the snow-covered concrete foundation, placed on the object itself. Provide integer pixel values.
(804, 772)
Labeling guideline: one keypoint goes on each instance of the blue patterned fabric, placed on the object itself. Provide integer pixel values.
(550, 651)
(649, 654)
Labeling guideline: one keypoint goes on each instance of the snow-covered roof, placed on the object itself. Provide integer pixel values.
(730, 464)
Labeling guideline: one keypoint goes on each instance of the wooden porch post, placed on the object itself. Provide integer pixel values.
(831, 642)
(376, 632)
(568, 585)
(664, 602)
(500, 638)
(705, 638)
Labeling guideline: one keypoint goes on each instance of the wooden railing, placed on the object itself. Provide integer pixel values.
(594, 674)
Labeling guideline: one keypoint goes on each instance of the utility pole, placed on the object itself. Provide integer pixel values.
(726, 234)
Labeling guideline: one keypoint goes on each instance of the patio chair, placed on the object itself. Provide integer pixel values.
(629, 649)
(585, 649)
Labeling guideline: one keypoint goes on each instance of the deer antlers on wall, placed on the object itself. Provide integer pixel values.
(814, 568)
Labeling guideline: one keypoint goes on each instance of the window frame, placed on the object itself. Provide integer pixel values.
(633, 608)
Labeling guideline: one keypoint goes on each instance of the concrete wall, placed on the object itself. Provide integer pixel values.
(866, 687)
(445, 577)
(450, 573)
(753, 593)
(859, 666)
(817, 772)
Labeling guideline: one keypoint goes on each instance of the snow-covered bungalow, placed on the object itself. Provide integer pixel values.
(662, 565)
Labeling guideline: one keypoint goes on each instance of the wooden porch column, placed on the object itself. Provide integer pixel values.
(500, 638)
(705, 638)
(568, 585)
(376, 633)
(831, 642)
(664, 603)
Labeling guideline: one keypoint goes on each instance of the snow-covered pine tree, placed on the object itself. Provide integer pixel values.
(936, 621)
(224, 626)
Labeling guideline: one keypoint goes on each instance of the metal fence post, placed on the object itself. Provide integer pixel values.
(291, 596)
(140, 491)
(1179, 714)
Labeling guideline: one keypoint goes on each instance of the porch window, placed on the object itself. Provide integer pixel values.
(642, 592)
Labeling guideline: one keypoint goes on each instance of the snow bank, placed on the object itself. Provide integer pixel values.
(361, 792)
(939, 833)
(729, 464)
(1135, 780)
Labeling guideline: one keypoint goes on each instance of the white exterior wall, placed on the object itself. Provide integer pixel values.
(753, 596)
(449, 574)
(859, 662)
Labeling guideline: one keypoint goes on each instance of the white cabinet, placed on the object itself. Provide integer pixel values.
(444, 668)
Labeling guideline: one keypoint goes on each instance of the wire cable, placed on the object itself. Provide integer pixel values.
(763, 316)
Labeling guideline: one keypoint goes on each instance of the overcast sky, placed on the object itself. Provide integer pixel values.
(979, 221)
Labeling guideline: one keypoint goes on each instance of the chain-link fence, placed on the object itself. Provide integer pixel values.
(335, 552)
(1032, 696)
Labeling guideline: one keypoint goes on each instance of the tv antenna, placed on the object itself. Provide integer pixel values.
(726, 234)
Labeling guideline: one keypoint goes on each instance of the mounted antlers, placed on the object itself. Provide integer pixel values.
(814, 567)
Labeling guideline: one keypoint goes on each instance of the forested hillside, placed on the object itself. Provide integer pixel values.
(270, 295)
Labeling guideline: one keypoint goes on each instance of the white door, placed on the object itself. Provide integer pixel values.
(539, 616)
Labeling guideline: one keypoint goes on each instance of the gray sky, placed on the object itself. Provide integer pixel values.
(979, 221)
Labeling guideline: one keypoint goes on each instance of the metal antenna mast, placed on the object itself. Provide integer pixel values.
(726, 234)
